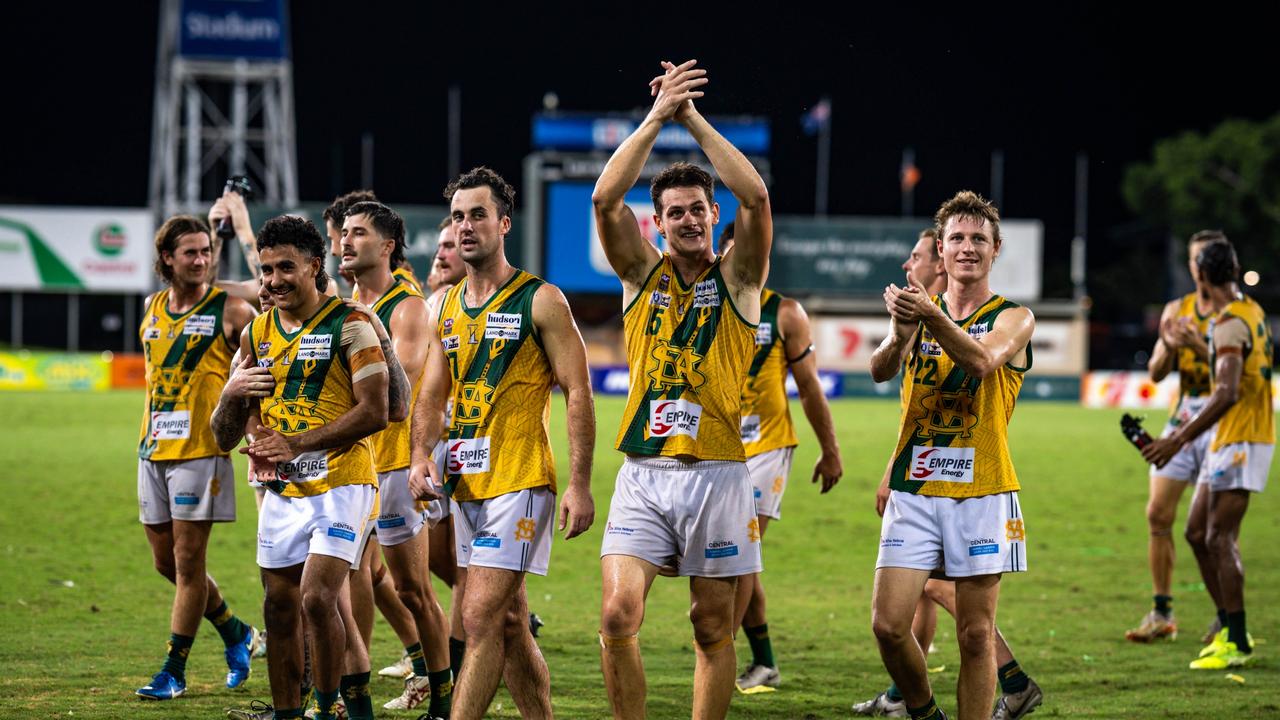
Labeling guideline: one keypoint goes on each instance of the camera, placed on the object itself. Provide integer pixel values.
(238, 184)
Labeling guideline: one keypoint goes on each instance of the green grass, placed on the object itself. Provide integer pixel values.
(69, 513)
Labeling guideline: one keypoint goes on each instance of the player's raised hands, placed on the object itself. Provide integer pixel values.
(675, 90)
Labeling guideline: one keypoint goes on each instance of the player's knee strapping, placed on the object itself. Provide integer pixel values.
(614, 642)
(715, 646)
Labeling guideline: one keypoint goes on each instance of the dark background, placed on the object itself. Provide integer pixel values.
(1041, 84)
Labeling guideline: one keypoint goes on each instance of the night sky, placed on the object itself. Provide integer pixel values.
(1042, 86)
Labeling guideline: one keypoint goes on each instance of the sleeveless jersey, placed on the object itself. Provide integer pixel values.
(391, 446)
(954, 436)
(1193, 371)
(688, 349)
(406, 276)
(501, 399)
(766, 416)
(188, 360)
(313, 375)
(1251, 419)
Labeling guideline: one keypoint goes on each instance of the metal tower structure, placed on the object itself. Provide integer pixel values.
(223, 103)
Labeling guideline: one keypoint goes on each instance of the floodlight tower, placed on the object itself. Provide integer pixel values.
(223, 103)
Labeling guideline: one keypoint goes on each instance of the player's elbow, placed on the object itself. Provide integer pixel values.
(882, 372)
(398, 412)
(756, 197)
(603, 200)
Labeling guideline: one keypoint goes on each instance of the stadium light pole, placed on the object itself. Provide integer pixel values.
(1079, 243)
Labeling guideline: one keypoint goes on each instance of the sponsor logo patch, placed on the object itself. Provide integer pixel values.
(314, 347)
(174, 425)
(451, 342)
(979, 330)
(307, 467)
(448, 326)
(750, 428)
(200, 325)
(264, 348)
(705, 294)
(720, 549)
(502, 326)
(890, 542)
(660, 299)
(186, 499)
(468, 456)
(674, 417)
(611, 529)
(764, 333)
(343, 533)
(390, 521)
(985, 549)
(489, 541)
(941, 464)
(151, 333)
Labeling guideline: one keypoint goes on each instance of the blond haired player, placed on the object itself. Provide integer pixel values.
(189, 332)
(953, 503)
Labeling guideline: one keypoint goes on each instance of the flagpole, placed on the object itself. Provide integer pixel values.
(822, 182)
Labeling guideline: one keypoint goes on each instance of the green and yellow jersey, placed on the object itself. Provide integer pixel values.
(501, 400)
(766, 415)
(391, 446)
(315, 368)
(1251, 419)
(688, 350)
(188, 360)
(953, 441)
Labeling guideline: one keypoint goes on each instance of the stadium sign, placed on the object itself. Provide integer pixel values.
(70, 249)
(605, 132)
(25, 370)
(860, 256)
(233, 29)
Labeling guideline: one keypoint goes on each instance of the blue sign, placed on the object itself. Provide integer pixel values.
(574, 259)
(233, 29)
(597, 132)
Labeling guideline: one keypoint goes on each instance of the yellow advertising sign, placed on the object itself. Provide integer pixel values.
(25, 370)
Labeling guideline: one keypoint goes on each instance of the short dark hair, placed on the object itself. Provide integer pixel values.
(298, 232)
(1217, 261)
(932, 234)
(387, 222)
(1207, 236)
(968, 204)
(504, 196)
(681, 174)
(167, 239)
(337, 211)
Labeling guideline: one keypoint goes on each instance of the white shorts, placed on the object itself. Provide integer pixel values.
(962, 537)
(508, 532)
(400, 516)
(698, 516)
(192, 490)
(1238, 466)
(769, 472)
(331, 523)
(1186, 465)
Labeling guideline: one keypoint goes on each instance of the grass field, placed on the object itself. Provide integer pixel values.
(84, 617)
